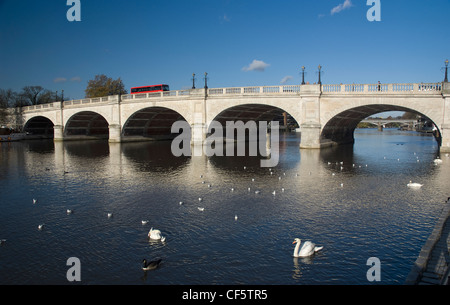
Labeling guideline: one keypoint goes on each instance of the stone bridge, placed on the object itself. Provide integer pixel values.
(327, 114)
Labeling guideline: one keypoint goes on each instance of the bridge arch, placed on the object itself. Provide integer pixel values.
(251, 112)
(255, 111)
(39, 127)
(340, 127)
(86, 125)
(151, 123)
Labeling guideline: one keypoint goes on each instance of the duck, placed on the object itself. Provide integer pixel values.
(201, 209)
(437, 161)
(110, 215)
(155, 234)
(414, 184)
(40, 227)
(69, 211)
(144, 222)
(151, 264)
(307, 249)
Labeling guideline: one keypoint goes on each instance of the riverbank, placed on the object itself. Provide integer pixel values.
(432, 264)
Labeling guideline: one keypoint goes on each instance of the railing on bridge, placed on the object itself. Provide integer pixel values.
(359, 89)
(383, 88)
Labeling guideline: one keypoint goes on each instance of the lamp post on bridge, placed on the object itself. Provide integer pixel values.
(446, 72)
(206, 80)
(320, 68)
(193, 80)
(303, 75)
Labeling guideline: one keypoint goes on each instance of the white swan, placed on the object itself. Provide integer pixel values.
(414, 185)
(308, 248)
(155, 234)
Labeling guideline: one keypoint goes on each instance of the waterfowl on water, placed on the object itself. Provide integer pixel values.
(307, 248)
(150, 265)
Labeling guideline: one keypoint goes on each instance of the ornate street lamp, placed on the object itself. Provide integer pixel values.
(193, 80)
(206, 80)
(303, 75)
(446, 72)
(320, 68)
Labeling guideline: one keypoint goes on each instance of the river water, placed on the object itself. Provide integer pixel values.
(361, 210)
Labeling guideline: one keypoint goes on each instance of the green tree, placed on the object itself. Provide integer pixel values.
(102, 85)
(409, 115)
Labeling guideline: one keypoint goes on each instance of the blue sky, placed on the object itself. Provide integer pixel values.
(152, 42)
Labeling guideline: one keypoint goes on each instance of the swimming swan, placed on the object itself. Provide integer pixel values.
(414, 185)
(308, 248)
(155, 234)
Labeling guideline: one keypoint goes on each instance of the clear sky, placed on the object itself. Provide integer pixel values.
(238, 42)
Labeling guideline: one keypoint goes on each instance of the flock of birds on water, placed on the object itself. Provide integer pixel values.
(306, 249)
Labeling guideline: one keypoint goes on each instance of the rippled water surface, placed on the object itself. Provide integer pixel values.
(373, 213)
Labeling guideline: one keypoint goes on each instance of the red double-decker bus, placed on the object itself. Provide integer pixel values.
(146, 89)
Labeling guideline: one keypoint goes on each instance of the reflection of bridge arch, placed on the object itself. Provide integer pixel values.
(340, 126)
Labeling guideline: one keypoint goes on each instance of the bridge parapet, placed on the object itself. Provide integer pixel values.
(344, 89)
(422, 88)
(255, 90)
(48, 106)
